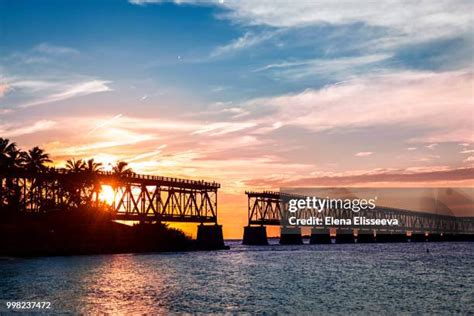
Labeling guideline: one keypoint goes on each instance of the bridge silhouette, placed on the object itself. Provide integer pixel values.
(155, 198)
(268, 208)
(137, 197)
(148, 199)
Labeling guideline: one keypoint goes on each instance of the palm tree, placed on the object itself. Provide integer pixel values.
(75, 165)
(15, 159)
(35, 159)
(75, 184)
(10, 156)
(121, 168)
(6, 147)
(92, 166)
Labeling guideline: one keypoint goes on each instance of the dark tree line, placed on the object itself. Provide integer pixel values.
(79, 187)
(11, 157)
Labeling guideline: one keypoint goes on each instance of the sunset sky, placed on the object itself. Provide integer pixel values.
(251, 95)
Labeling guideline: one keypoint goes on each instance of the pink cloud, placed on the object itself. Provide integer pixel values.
(431, 146)
(15, 130)
(407, 176)
(441, 104)
(3, 89)
(364, 154)
(469, 159)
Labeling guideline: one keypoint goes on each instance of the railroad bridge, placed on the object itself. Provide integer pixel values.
(136, 197)
(269, 208)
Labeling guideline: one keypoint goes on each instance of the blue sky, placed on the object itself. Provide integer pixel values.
(204, 51)
(260, 93)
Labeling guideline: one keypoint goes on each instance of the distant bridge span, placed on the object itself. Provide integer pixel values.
(267, 208)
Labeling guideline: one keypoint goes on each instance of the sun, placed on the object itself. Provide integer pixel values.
(107, 194)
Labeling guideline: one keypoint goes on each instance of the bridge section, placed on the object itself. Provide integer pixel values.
(165, 199)
(136, 197)
(269, 208)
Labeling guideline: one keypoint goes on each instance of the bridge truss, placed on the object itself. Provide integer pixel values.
(136, 197)
(270, 208)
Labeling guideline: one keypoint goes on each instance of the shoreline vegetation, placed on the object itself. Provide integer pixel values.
(81, 223)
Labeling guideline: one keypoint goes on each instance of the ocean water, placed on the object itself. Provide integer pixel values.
(305, 279)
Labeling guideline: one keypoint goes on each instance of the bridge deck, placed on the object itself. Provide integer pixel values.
(136, 196)
(269, 208)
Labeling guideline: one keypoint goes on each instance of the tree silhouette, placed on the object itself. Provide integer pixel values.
(34, 159)
(75, 165)
(92, 183)
(14, 160)
(79, 184)
(10, 155)
(10, 158)
(6, 146)
(121, 168)
(92, 166)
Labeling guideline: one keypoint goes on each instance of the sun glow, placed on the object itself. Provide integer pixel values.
(106, 160)
(107, 194)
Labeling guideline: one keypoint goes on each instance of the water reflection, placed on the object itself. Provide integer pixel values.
(337, 279)
(122, 284)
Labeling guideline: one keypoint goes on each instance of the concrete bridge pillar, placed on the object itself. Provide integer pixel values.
(418, 237)
(291, 236)
(255, 235)
(320, 236)
(450, 237)
(435, 237)
(467, 237)
(210, 237)
(345, 236)
(457, 237)
(365, 236)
